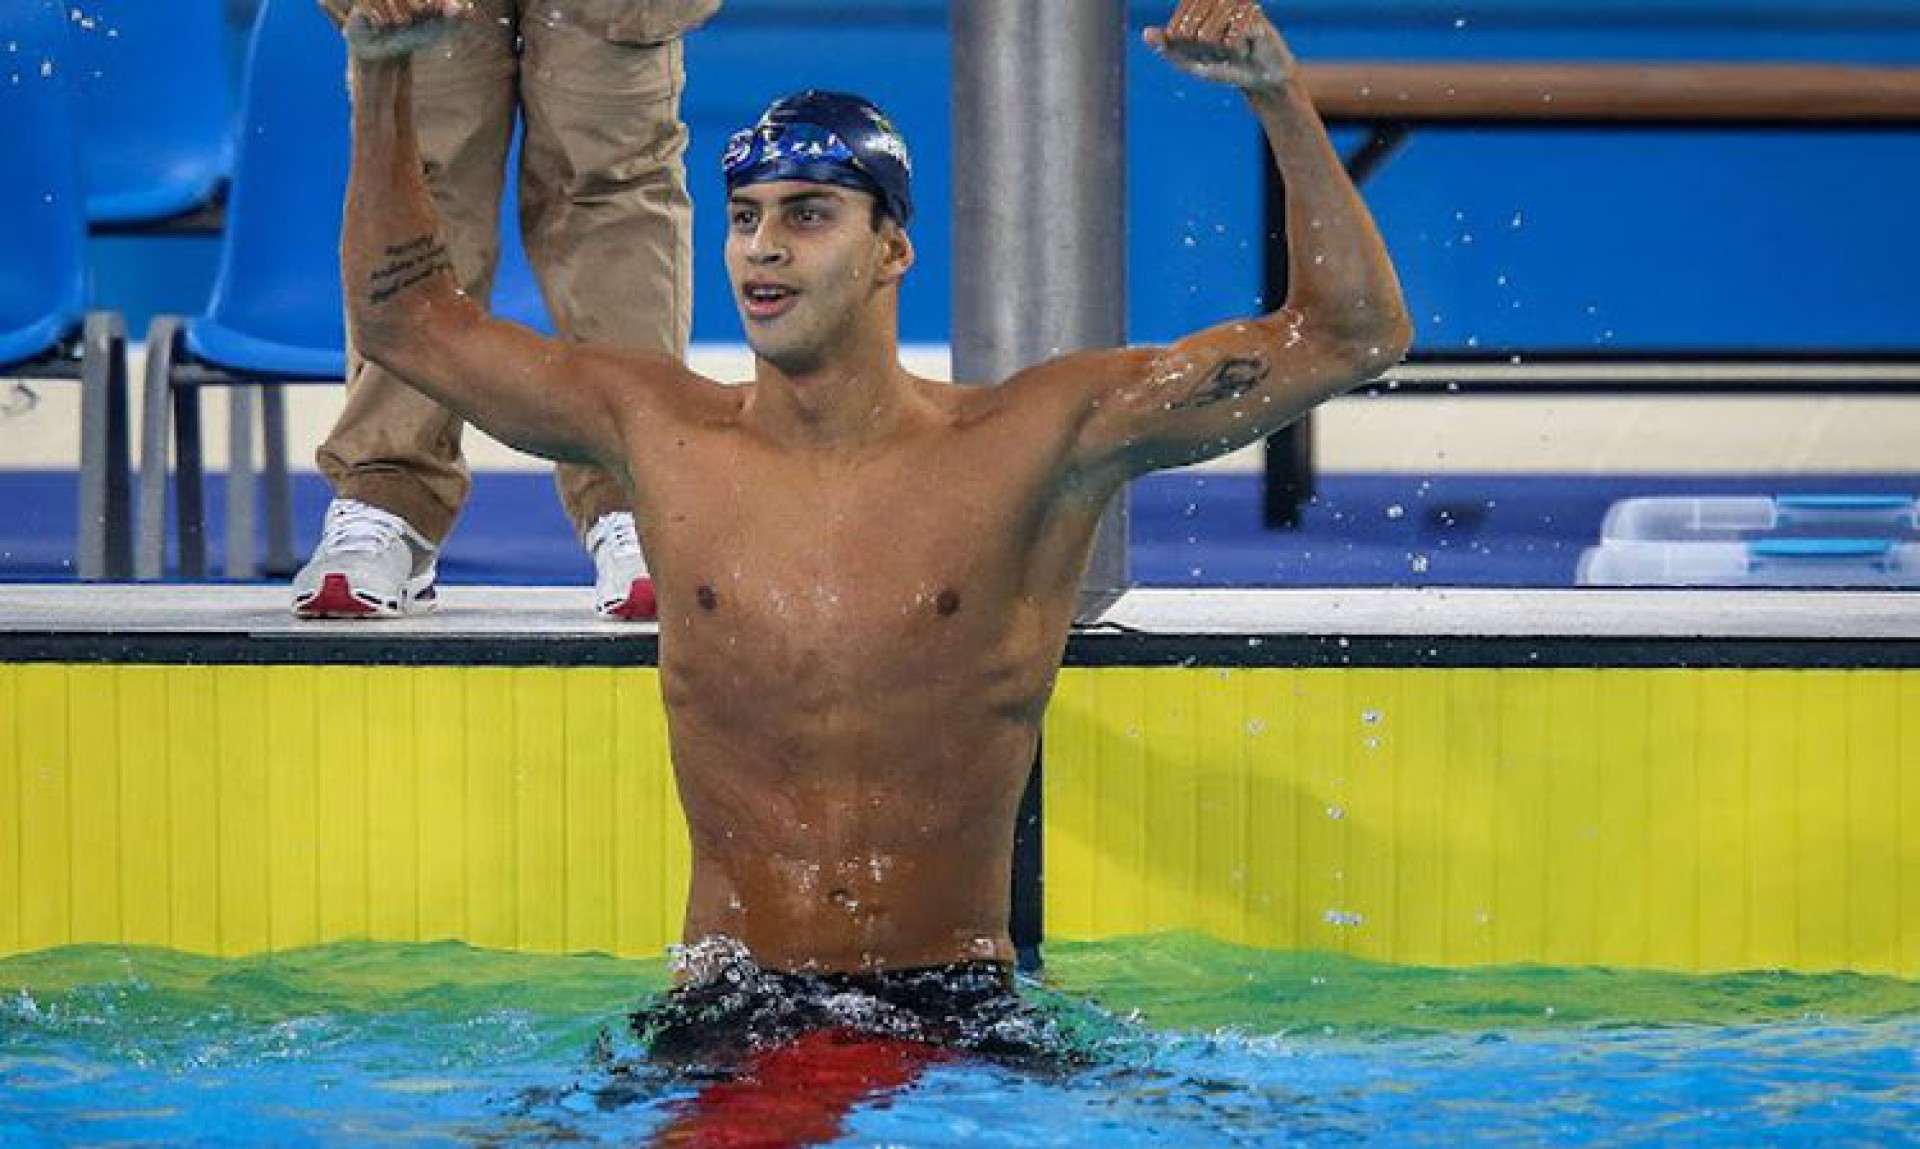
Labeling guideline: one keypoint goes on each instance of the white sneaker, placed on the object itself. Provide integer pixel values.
(369, 564)
(621, 587)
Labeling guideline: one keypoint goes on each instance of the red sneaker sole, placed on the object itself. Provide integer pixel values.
(639, 605)
(334, 600)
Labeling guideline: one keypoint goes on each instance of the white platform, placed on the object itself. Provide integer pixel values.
(546, 612)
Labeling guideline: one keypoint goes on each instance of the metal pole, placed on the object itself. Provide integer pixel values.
(1039, 160)
(1039, 216)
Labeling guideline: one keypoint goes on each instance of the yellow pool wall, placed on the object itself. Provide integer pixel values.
(1648, 819)
(1677, 819)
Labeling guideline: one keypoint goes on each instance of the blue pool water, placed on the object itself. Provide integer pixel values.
(1199, 1044)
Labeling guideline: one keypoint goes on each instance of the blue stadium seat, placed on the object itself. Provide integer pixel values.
(45, 330)
(275, 315)
(151, 80)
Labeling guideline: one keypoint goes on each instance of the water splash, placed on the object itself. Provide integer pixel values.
(1200, 1043)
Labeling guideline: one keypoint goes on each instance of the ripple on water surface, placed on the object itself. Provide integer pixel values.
(1200, 1043)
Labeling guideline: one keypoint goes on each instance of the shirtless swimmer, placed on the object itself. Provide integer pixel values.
(866, 578)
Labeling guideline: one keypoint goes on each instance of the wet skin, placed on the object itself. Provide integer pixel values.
(866, 578)
(856, 650)
(865, 583)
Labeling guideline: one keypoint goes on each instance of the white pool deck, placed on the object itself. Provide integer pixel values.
(475, 612)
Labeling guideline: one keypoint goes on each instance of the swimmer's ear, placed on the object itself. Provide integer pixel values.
(897, 255)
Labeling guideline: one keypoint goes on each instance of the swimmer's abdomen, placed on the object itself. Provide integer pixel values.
(870, 818)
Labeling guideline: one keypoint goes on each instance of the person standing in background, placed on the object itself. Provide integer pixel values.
(607, 224)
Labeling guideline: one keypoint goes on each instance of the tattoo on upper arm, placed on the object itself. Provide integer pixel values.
(408, 265)
(1230, 380)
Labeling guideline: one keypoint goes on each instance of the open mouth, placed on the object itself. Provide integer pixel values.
(768, 300)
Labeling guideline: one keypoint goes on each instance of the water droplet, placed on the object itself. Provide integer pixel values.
(1396, 511)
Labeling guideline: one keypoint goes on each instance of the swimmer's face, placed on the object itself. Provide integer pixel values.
(809, 266)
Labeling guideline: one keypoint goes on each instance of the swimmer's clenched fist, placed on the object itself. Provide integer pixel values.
(385, 29)
(399, 13)
(1229, 41)
(867, 578)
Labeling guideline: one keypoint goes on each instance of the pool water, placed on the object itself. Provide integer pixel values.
(1199, 1043)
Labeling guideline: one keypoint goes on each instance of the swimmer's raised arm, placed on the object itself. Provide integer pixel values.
(1343, 321)
(406, 312)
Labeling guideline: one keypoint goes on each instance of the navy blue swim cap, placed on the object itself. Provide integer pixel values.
(825, 138)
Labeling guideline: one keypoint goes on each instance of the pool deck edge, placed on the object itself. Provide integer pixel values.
(553, 626)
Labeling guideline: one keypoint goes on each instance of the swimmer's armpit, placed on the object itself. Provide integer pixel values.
(406, 266)
(1231, 379)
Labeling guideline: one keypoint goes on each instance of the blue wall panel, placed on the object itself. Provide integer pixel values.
(1540, 239)
(1718, 15)
(1194, 199)
(1643, 241)
(1529, 240)
(734, 73)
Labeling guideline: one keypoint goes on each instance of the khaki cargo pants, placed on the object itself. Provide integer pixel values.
(603, 209)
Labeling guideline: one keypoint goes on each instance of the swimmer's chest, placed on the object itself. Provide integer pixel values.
(849, 547)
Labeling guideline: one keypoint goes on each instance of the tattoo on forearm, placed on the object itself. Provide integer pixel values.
(1232, 379)
(408, 265)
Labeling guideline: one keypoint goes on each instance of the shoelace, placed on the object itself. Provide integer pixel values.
(615, 533)
(354, 528)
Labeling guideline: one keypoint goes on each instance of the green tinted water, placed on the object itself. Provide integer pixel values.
(1188, 982)
(1206, 1043)
(162, 999)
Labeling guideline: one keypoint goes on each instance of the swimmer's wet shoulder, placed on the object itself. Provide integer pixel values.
(856, 650)
(866, 579)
